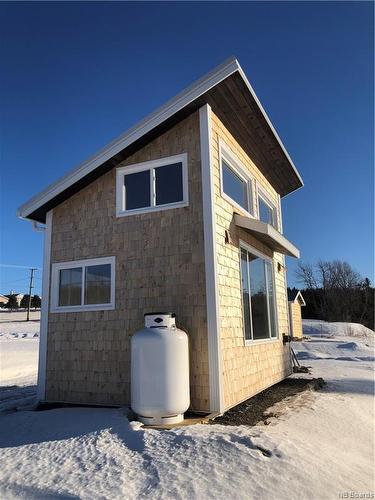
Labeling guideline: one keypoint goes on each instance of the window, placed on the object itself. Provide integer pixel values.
(267, 211)
(236, 185)
(152, 185)
(83, 285)
(258, 297)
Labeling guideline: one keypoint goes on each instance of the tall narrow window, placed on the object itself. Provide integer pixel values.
(245, 294)
(169, 184)
(258, 297)
(137, 190)
(258, 291)
(98, 284)
(267, 212)
(234, 186)
(70, 286)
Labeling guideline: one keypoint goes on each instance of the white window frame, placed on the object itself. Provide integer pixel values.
(261, 194)
(238, 168)
(150, 165)
(249, 342)
(55, 284)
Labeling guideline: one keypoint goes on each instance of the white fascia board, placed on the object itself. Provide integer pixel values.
(137, 131)
(273, 238)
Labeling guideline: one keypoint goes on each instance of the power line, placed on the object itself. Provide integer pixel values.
(19, 267)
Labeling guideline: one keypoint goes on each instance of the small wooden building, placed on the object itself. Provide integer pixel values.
(296, 301)
(182, 213)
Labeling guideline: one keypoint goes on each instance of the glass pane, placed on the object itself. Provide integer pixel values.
(98, 284)
(70, 287)
(234, 186)
(266, 213)
(137, 190)
(245, 295)
(258, 288)
(271, 298)
(168, 180)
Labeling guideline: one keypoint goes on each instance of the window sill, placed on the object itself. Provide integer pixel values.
(248, 343)
(157, 208)
(236, 206)
(86, 308)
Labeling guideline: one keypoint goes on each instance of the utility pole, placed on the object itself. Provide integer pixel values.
(30, 288)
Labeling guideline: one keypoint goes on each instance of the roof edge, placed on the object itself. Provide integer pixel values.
(158, 116)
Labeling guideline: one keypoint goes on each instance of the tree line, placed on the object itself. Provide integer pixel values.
(12, 303)
(334, 291)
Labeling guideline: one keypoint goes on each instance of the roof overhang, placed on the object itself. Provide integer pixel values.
(299, 298)
(230, 95)
(268, 235)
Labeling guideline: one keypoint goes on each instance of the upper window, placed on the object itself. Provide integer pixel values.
(152, 185)
(83, 285)
(267, 211)
(258, 297)
(236, 184)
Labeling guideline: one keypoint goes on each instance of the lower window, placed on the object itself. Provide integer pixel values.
(258, 296)
(83, 285)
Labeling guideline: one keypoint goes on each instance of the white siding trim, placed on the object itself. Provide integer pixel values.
(212, 294)
(42, 363)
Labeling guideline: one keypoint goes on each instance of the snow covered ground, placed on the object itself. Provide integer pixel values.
(19, 344)
(320, 446)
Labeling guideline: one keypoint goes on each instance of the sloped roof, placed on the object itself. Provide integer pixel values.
(294, 295)
(230, 95)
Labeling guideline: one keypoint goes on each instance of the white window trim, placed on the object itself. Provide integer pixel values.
(237, 166)
(81, 263)
(257, 253)
(266, 199)
(150, 165)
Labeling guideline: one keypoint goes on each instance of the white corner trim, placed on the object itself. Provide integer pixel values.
(212, 294)
(42, 363)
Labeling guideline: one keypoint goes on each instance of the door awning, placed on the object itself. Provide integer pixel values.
(268, 235)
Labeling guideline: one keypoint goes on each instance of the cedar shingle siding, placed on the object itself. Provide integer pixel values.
(246, 369)
(159, 266)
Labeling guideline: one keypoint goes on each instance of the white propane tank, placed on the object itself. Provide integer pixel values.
(160, 371)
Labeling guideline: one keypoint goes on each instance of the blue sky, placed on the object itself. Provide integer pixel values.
(76, 75)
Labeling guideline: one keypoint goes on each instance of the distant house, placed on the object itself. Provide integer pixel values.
(19, 297)
(181, 213)
(3, 300)
(296, 301)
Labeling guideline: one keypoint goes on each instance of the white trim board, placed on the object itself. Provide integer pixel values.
(159, 116)
(43, 334)
(212, 294)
